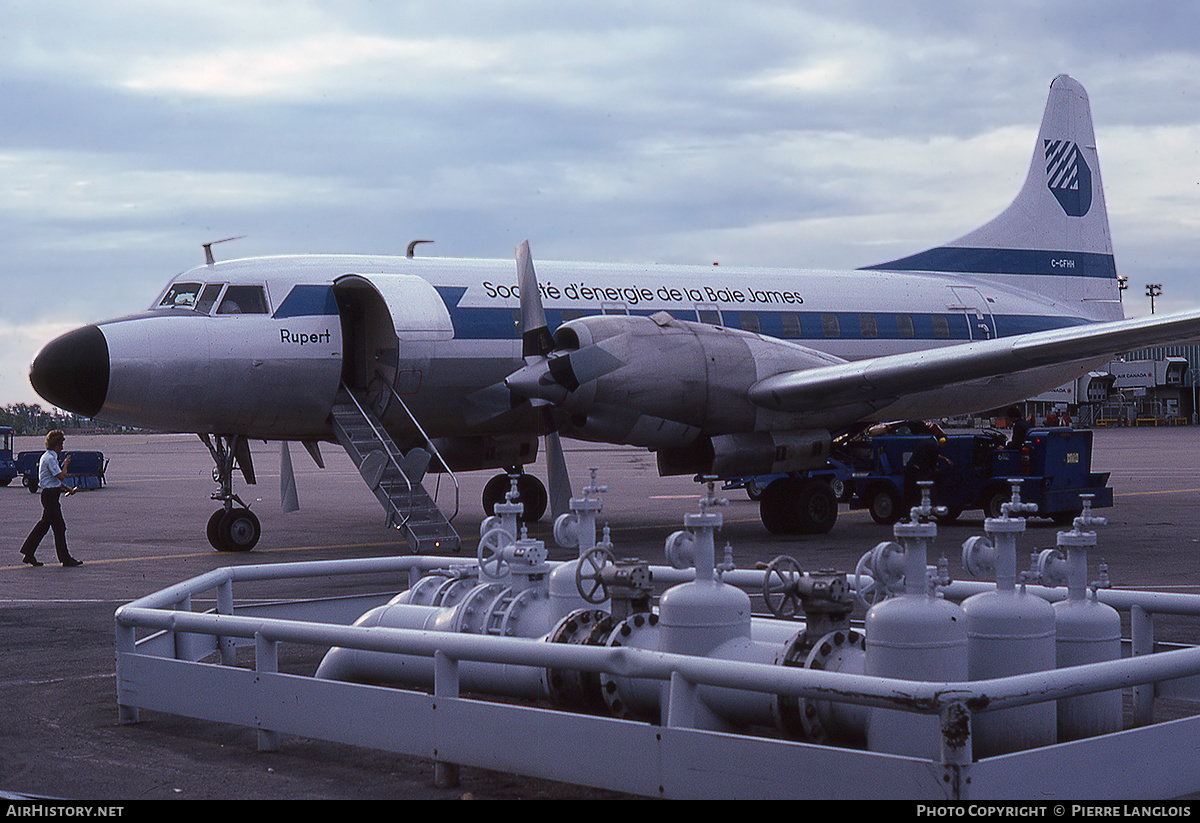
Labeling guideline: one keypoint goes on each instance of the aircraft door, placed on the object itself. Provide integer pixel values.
(974, 307)
(369, 340)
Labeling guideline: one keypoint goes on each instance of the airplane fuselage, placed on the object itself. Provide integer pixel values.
(439, 330)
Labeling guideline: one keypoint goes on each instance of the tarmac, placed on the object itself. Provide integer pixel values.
(144, 530)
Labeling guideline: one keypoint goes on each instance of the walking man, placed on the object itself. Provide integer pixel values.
(51, 474)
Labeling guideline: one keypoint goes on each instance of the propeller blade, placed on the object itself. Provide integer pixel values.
(484, 405)
(536, 339)
(289, 500)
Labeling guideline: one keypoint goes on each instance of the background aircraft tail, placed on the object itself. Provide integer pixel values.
(1054, 238)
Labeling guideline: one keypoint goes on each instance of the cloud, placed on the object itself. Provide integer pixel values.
(761, 133)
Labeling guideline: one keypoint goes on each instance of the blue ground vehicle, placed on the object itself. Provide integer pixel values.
(86, 470)
(8, 467)
(1053, 465)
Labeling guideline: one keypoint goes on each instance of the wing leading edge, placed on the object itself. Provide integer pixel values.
(880, 380)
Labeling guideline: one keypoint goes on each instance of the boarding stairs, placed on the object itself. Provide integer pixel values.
(394, 478)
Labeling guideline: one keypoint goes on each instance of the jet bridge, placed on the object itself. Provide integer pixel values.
(658, 680)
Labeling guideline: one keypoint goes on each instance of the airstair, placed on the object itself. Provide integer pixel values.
(394, 478)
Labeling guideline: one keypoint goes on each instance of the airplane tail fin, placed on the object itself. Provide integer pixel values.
(1053, 239)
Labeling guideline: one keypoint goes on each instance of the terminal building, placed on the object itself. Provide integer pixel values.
(1148, 387)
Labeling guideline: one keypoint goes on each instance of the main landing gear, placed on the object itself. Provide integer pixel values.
(530, 491)
(231, 528)
(798, 505)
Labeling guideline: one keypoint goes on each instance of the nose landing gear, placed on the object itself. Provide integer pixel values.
(231, 528)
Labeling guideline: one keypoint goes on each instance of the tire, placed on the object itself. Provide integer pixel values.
(775, 506)
(530, 489)
(816, 508)
(883, 503)
(993, 498)
(493, 493)
(213, 530)
(238, 530)
(533, 495)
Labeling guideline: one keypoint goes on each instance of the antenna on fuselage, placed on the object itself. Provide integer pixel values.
(208, 255)
(412, 247)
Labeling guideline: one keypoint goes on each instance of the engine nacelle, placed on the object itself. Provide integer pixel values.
(677, 383)
(471, 453)
(752, 453)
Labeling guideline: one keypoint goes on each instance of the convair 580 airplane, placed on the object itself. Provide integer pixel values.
(411, 361)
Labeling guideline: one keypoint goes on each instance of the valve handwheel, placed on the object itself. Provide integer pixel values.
(588, 579)
(781, 586)
(492, 562)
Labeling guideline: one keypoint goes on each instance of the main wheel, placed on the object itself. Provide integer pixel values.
(531, 493)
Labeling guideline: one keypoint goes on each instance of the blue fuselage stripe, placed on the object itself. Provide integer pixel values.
(960, 260)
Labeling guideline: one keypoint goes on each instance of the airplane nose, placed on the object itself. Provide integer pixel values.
(72, 371)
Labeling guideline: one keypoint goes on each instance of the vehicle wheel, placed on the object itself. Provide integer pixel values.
(31, 484)
(776, 506)
(238, 530)
(753, 491)
(843, 490)
(884, 504)
(816, 507)
(994, 498)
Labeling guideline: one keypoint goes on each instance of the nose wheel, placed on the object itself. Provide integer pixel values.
(232, 528)
(235, 530)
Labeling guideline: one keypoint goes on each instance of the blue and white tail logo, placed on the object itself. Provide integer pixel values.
(1068, 177)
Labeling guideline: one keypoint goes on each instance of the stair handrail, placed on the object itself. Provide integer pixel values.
(383, 439)
(432, 449)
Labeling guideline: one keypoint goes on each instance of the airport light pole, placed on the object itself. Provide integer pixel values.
(1153, 290)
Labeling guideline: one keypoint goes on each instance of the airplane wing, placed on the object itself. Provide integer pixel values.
(882, 378)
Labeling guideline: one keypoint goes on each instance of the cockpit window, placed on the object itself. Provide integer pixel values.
(244, 300)
(180, 296)
(208, 298)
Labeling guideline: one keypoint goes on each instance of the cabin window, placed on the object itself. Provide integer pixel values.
(750, 322)
(830, 327)
(868, 326)
(180, 296)
(791, 324)
(941, 326)
(710, 316)
(244, 300)
(905, 326)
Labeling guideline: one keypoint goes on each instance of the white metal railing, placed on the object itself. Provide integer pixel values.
(185, 636)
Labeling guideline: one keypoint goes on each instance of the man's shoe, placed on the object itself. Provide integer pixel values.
(71, 563)
(28, 558)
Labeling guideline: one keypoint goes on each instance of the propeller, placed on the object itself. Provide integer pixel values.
(549, 374)
(536, 345)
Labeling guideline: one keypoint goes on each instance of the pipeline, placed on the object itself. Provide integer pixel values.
(912, 632)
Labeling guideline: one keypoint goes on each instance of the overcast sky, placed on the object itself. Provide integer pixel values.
(813, 135)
